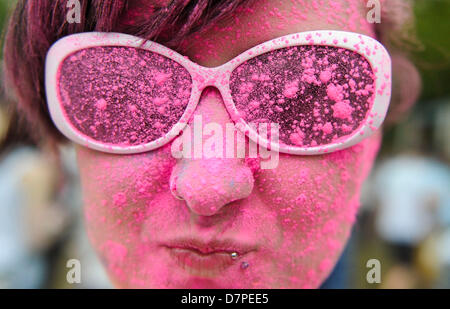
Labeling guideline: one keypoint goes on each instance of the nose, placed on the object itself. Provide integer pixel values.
(208, 184)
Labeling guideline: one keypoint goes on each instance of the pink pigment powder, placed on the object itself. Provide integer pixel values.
(316, 109)
(123, 95)
(300, 212)
(138, 96)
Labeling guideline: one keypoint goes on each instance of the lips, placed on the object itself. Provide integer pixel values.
(206, 259)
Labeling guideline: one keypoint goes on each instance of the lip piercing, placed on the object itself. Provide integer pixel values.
(234, 255)
(244, 265)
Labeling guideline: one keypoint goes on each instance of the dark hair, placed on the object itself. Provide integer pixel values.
(35, 25)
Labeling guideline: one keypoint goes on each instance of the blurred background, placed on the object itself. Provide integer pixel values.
(404, 220)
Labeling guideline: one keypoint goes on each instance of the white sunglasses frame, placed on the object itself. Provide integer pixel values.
(219, 77)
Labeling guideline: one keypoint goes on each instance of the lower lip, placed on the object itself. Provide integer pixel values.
(201, 265)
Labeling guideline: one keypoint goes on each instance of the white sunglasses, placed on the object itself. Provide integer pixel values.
(326, 90)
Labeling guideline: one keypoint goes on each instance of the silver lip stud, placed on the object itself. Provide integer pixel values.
(234, 255)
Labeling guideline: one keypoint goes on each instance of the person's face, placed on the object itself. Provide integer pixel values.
(288, 224)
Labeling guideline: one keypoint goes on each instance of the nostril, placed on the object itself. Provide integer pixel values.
(254, 164)
(173, 188)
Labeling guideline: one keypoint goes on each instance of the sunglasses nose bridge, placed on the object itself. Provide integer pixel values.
(210, 77)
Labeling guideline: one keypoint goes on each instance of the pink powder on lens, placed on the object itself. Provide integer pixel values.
(162, 78)
(335, 93)
(291, 89)
(159, 101)
(327, 128)
(306, 90)
(101, 104)
(254, 104)
(325, 76)
(118, 95)
(297, 138)
(342, 110)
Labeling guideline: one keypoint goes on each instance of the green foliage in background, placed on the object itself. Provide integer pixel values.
(5, 6)
(433, 30)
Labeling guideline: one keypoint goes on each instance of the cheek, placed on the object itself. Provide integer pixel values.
(316, 201)
(323, 182)
(117, 191)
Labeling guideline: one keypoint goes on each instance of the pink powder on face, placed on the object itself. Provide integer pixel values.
(315, 110)
(114, 251)
(119, 199)
(119, 95)
(114, 255)
(325, 264)
(301, 200)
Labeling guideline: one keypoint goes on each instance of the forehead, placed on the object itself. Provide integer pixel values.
(265, 20)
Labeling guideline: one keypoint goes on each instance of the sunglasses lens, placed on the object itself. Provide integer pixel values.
(316, 94)
(122, 95)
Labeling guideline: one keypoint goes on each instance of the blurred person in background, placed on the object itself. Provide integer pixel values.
(420, 137)
(413, 196)
(31, 219)
(40, 215)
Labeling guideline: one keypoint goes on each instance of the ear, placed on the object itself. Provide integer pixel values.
(406, 88)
